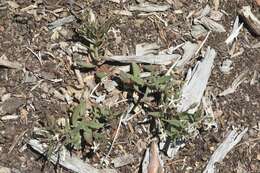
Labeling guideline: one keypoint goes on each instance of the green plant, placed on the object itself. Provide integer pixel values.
(80, 130)
(154, 84)
(162, 88)
(77, 131)
(94, 33)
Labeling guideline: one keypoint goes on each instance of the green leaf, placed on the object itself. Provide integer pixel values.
(136, 88)
(75, 138)
(88, 135)
(149, 68)
(156, 114)
(104, 111)
(78, 112)
(137, 80)
(99, 137)
(94, 125)
(136, 70)
(163, 79)
(174, 122)
(84, 65)
(101, 75)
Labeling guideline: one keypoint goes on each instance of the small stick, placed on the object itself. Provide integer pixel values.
(122, 118)
(117, 132)
(204, 41)
(35, 54)
(16, 140)
(173, 65)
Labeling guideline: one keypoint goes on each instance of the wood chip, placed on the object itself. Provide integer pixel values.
(230, 141)
(149, 59)
(251, 20)
(257, 2)
(67, 161)
(6, 63)
(196, 83)
(123, 160)
(235, 31)
(240, 79)
(13, 4)
(148, 7)
(61, 22)
(189, 52)
(212, 25)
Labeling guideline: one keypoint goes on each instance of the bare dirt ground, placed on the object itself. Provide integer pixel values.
(30, 98)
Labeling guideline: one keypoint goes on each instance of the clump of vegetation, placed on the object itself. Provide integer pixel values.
(156, 93)
(162, 88)
(94, 32)
(77, 131)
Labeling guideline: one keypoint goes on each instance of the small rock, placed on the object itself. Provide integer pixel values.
(2, 29)
(5, 170)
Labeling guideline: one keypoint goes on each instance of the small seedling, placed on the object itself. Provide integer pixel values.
(94, 33)
(78, 131)
(162, 88)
